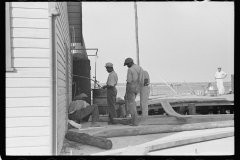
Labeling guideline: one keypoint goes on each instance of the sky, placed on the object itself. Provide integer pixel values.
(179, 41)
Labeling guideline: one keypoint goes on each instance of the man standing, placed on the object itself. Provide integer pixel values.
(135, 80)
(144, 94)
(79, 109)
(111, 92)
(219, 76)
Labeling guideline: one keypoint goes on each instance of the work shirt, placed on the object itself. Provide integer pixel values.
(76, 105)
(146, 76)
(112, 79)
(220, 75)
(132, 74)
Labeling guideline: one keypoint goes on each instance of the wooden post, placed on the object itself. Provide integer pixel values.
(136, 29)
(88, 139)
(232, 83)
(191, 109)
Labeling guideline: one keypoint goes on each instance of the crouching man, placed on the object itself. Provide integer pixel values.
(79, 109)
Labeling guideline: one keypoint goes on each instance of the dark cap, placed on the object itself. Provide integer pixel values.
(128, 60)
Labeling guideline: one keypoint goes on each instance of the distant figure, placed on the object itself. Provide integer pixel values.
(135, 80)
(144, 94)
(111, 92)
(219, 76)
(210, 87)
(79, 109)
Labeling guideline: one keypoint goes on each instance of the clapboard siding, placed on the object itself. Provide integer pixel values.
(29, 23)
(27, 92)
(62, 40)
(42, 150)
(27, 141)
(30, 5)
(31, 62)
(74, 8)
(29, 13)
(30, 52)
(74, 15)
(27, 121)
(28, 106)
(28, 102)
(27, 82)
(28, 131)
(29, 33)
(28, 112)
(74, 21)
(30, 43)
(29, 73)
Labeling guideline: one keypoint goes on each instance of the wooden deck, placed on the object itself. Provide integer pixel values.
(185, 100)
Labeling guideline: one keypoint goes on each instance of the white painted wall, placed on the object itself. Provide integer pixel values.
(28, 87)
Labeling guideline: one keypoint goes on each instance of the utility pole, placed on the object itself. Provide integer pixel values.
(136, 29)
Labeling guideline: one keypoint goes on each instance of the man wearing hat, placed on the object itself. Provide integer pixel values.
(79, 108)
(219, 76)
(135, 81)
(111, 92)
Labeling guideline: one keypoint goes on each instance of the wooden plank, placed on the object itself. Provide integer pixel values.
(73, 8)
(27, 92)
(61, 91)
(153, 129)
(61, 106)
(30, 43)
(29, 13)
(28, 131)
(40, 150)
(74, 21)
(31, 62)
(28, 112)
(61, 83)
(27, 82)
(28, 102)
(29, 33)
(27, 141)
(28, 73)
(29, 23)
(73, 15)
(61, 75)
(42, 5)
(60, 57)
(27, 122)
(30, 52)
(61, 99)
(60, 66)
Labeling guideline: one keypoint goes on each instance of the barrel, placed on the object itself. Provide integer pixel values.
(100, 98)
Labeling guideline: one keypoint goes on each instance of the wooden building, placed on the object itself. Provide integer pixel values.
(39, 74)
